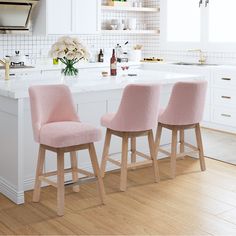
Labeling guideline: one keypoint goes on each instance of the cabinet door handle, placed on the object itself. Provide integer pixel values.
(12, 74)
(228, 79)
(225, 97)
(226, 115)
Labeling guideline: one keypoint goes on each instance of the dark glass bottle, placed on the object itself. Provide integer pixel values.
(113, 64)
(100, 56)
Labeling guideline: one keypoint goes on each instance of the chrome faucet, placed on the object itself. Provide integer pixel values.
(202, 57)
(6, 63)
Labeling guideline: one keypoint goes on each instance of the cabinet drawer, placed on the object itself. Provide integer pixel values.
(225, 79)
(224, 97)
(24, 73)
(224, 116)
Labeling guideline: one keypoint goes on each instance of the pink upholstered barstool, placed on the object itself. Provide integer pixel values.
(136, 117)
(184, 111)
(57, 128)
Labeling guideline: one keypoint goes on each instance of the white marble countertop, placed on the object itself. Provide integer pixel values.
(205, 66)
(51, 67)
(90, 81)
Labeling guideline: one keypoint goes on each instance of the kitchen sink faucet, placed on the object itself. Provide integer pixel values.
(202, 57)
(6, 63)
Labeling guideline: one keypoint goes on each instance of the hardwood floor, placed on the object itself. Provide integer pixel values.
(219, 145)
(194, 203)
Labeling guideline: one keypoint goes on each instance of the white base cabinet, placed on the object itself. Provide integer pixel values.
(224, 98)
(220, 107)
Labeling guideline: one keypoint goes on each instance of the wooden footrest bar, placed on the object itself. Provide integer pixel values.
(48, 181)
(85, 172)
(164, 151)
(183, 154)
(191, 146)
(143, 155)
(80, 181)
(69, 170)
(53, 173)
(139, 164)
(117, 163)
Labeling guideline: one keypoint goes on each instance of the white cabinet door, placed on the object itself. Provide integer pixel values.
(59, 17)
(86, 16)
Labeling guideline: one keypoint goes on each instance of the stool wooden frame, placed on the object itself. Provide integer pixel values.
(173, 154)
(124, 163)
(40, 176)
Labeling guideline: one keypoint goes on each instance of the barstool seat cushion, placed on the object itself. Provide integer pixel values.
(106, 120)
(68, 133)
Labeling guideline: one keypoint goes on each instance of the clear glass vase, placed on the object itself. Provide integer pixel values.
(70, 70)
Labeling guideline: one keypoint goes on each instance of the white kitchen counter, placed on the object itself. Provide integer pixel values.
(93, 96)
(51, 67)
(89, 81)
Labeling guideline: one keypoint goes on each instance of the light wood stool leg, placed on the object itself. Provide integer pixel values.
(39, 171)
(74, 166)
(181, 140)
(153, 157)
(158, 140)
(133, 151)
(200, 147)
(94, 161)
(60, 183)
(173, 152)
(105, 152)
(123, 175)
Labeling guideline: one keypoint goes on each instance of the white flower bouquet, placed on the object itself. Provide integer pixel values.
(69, 51)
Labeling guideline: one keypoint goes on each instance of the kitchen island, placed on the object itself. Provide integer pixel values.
(93, 96)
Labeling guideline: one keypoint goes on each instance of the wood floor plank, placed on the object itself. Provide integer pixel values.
(194, 203)
(183, 216)
(4, 230)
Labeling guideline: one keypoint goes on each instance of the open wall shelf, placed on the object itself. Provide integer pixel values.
(112, 32)
(135, 9)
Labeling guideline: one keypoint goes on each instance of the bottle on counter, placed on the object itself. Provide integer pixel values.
(113, 64)
(101, 56)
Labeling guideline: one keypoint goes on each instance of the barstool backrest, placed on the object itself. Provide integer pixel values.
(50, 103)
(186, 104)
(138, 110)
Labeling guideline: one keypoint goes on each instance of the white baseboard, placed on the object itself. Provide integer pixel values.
(11, 192)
